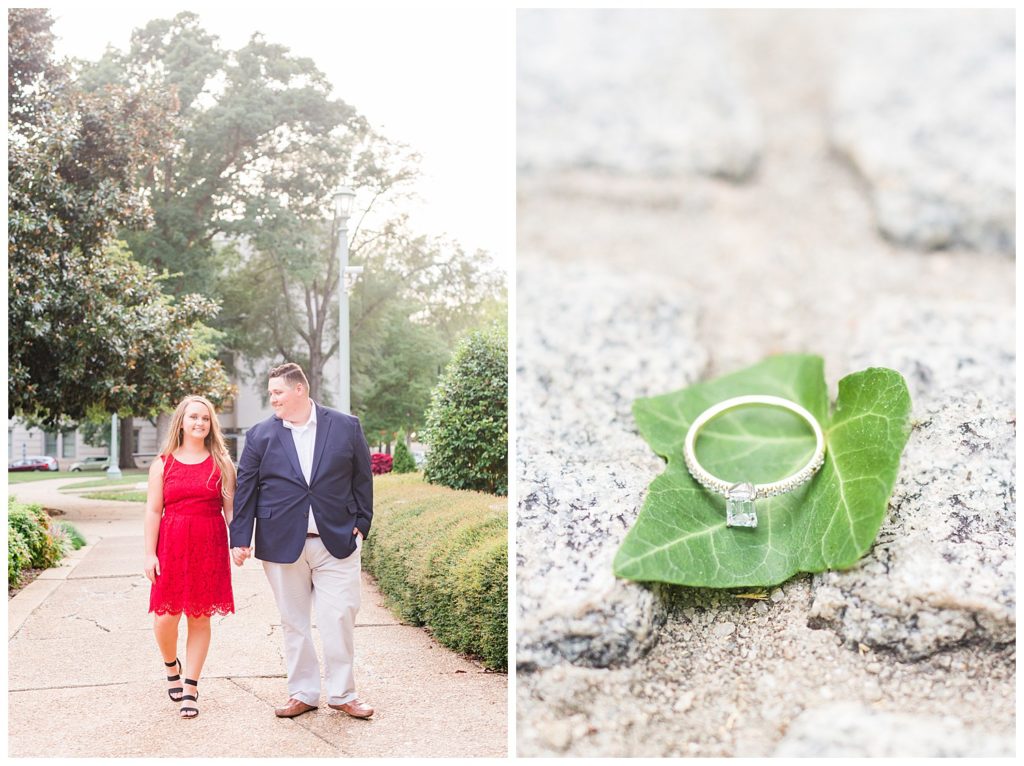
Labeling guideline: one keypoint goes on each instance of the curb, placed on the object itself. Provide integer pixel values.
(28, 599)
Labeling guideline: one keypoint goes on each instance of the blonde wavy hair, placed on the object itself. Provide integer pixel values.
(214, 442)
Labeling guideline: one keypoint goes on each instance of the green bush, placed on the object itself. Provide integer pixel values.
(440, 557)
(467, 420)
(19, 557)
(404, 461)
(74, 537)
(35, 527)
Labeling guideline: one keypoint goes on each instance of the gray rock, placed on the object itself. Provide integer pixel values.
(637, 91)
(923, 105)
(848, 729)
(942, 571)
(579, 711)
(589, 342)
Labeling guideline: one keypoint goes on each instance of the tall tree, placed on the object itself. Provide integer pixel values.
(413, 300)
(241, 116)
(88, 327)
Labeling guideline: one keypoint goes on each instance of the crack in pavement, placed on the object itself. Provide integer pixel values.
(75, 616)
(271, 705)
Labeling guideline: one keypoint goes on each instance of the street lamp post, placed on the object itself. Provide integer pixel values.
(113, 470)
(343, 209)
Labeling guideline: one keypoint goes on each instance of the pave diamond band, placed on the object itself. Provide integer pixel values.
(740, 497)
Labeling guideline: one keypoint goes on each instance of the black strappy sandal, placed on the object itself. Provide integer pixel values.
(195, 710)
(174, 678)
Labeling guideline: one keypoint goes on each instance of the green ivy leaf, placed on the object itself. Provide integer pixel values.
(680, 535)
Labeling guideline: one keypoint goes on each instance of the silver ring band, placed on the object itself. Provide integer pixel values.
(741, 496)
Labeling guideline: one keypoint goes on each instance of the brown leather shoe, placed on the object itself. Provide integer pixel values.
(293, 708)
(355, 708)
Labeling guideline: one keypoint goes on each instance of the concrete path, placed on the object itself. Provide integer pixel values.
(81, 648)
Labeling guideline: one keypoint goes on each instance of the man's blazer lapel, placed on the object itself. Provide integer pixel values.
(323, 427)
(285, 437)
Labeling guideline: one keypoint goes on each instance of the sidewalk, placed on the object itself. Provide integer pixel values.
(85, 677)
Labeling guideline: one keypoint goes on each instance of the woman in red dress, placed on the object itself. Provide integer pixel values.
(188, 508)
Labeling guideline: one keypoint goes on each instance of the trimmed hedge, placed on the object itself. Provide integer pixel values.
(440, 557)
(33, 540)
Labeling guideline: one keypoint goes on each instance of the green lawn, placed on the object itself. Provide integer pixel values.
(127, 497)
(134, 477)
(21, 477)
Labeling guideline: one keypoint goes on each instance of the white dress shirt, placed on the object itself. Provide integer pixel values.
(304, 437)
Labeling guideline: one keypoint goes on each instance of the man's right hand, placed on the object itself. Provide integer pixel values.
(239, 555)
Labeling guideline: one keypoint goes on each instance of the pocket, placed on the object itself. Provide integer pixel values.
(264, 511)
(353, 508)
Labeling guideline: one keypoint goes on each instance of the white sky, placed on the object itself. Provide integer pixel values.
(440, 81)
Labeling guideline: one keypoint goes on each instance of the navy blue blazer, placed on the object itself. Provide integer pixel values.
(272, 492)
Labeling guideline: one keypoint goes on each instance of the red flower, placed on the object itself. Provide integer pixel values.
(380, 463)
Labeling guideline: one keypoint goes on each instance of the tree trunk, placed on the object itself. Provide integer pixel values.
(125, 444)
(316, 375)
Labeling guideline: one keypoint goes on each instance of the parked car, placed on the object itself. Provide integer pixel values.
(35, 463)
(95, 463)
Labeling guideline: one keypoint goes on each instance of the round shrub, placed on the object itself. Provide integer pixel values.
(467, 420)
(404, 461)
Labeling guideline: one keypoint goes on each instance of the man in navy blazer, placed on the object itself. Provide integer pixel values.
(304, 481)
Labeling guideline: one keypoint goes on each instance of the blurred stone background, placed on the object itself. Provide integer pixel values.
(698, 190)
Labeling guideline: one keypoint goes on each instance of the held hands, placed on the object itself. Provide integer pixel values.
(239, 555)
(151, 567)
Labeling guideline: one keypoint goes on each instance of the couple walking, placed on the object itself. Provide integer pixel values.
(304, 481)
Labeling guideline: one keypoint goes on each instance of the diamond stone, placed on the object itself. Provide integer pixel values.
(739, 506)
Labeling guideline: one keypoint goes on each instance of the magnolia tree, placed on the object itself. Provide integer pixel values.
(90, 330)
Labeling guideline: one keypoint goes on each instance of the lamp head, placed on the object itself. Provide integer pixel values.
(343, 199)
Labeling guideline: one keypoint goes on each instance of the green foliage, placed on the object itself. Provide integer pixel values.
(103, 338)
(95, 428)
(467, 423)
(88, 327)
(829, 523)
(19, 557)
(394, 372)
(259, 145)
(404, 461)
(76, 539)
(252, 127)
(35, 528)
(440, 558)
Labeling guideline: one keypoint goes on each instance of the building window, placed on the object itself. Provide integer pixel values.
(67, 444)
(50, 444)
(135, 440)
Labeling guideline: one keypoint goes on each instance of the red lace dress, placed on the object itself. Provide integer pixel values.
(195, 569)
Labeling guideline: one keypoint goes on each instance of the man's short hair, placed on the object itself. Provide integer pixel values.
(291, 373)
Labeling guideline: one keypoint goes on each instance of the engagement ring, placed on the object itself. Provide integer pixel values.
(740, 497)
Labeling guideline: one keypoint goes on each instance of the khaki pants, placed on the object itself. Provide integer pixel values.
(333, 585)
